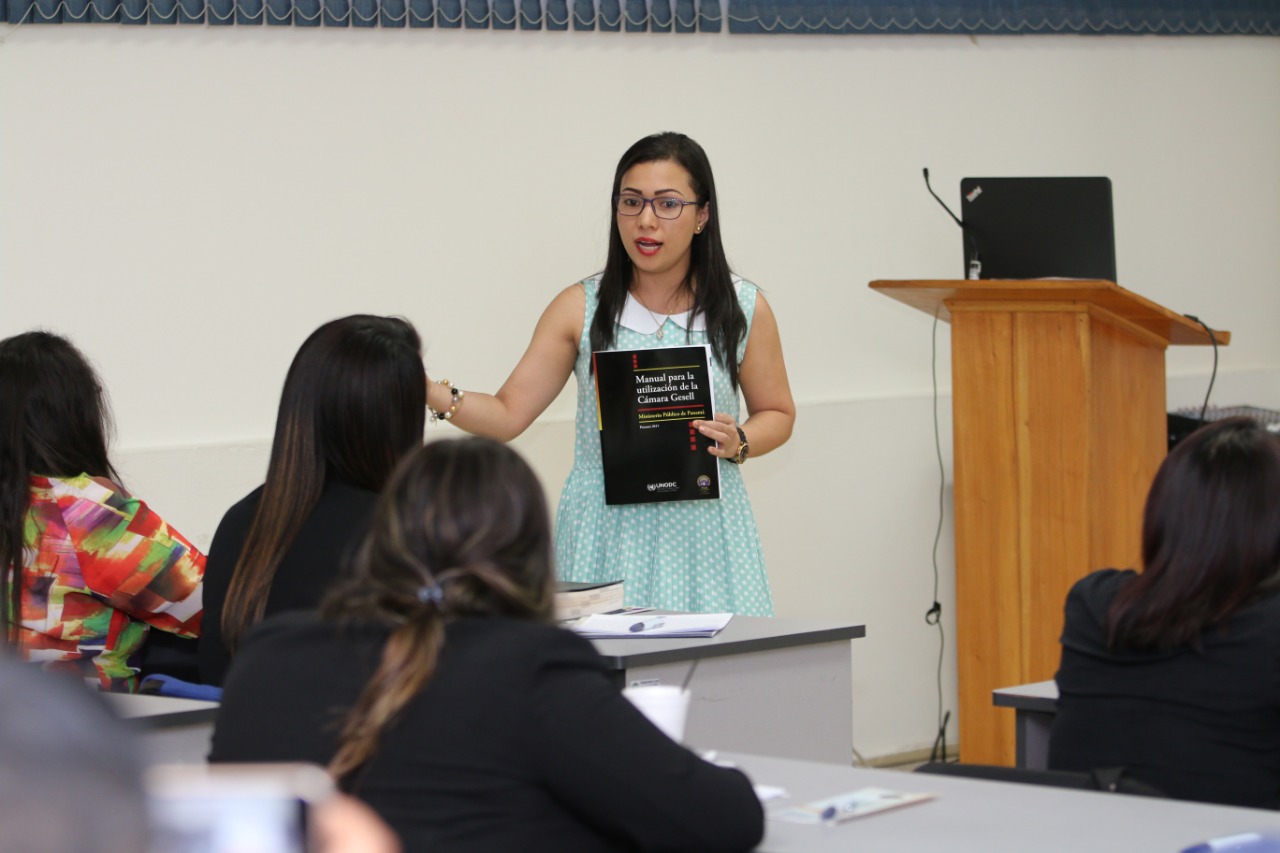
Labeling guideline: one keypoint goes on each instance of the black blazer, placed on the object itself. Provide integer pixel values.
(521, 741)
(321, 554)
(1198, 724)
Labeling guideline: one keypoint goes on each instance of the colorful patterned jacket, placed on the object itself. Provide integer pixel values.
(99, 569)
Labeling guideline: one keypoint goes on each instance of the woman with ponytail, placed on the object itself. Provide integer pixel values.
(353, 404)
(436, 687)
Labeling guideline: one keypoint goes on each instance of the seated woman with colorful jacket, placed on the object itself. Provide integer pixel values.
(86, 569)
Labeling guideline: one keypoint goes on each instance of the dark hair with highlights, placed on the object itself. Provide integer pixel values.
(709, 281)
(354, 402)
(54, 421)
(461, 530)
(1210, 538)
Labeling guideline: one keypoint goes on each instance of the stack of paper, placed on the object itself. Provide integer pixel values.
(601, 626)
(575, 600)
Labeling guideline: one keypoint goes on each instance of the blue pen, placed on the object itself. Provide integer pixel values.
(1253, 842)
(647, 625)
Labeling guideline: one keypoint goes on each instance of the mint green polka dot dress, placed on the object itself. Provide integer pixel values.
(693, 556)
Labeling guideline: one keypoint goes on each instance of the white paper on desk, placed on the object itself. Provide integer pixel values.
(765, 793)
(842, 807)
(600, 626)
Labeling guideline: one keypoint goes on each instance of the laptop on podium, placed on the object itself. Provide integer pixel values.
(1038, 228)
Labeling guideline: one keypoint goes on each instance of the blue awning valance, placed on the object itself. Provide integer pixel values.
(1007, 17)
(657, 16)
(998, 17)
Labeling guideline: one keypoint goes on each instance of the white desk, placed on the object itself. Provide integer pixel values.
(1035, 706)
(175, 731)
(763, 685)
(988, 817)
(770, 686)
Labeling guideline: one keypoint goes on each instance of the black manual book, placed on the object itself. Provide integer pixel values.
(646, 402)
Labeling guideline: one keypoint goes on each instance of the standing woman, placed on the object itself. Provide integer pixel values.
(1174, 672)
(666, 282)
(85, 568)
(353, 404)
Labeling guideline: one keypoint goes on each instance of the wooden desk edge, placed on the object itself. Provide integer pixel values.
(933, 295)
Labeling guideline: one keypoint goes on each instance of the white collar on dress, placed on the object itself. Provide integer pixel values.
(637, 318)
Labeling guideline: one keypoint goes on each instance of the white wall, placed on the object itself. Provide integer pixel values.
(188, 204)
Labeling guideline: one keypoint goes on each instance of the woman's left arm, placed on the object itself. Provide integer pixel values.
(762, 376)
(135, 562)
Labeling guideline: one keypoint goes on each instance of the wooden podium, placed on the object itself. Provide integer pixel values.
(1059, 425)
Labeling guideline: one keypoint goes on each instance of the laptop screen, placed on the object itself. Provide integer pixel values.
(1039, 227)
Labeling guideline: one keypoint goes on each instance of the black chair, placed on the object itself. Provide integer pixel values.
(168, 654)
(1116, 780)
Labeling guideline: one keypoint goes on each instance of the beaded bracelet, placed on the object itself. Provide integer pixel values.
(455, 394)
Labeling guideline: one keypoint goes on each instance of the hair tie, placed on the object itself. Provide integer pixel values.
(431, 593)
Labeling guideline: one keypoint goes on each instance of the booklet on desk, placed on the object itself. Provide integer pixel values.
(575, 600)
(600, 626)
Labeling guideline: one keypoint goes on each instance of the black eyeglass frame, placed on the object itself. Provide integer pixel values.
(652, 203)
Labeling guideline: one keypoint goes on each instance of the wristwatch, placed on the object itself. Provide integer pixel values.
(743, 448)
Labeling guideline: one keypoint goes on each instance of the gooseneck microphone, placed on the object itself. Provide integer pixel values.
(973, 262)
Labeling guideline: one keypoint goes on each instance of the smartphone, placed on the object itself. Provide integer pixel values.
(234, 808)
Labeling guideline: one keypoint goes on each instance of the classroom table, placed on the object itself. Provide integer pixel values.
(1035, 706)
(986, 817)
(174, 731)
(770, 686)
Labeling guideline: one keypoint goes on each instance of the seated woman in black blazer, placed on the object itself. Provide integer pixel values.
(437, 688)
(354, 403)
(1174, 673)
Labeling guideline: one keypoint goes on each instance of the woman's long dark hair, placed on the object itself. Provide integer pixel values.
(461, 530)
(54, 421)
(1210, 538)
(354, 402)
(709, 280)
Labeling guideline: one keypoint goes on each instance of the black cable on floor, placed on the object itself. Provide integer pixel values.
(933, 616)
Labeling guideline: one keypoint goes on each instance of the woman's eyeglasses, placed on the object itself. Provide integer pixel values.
(664, 207)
